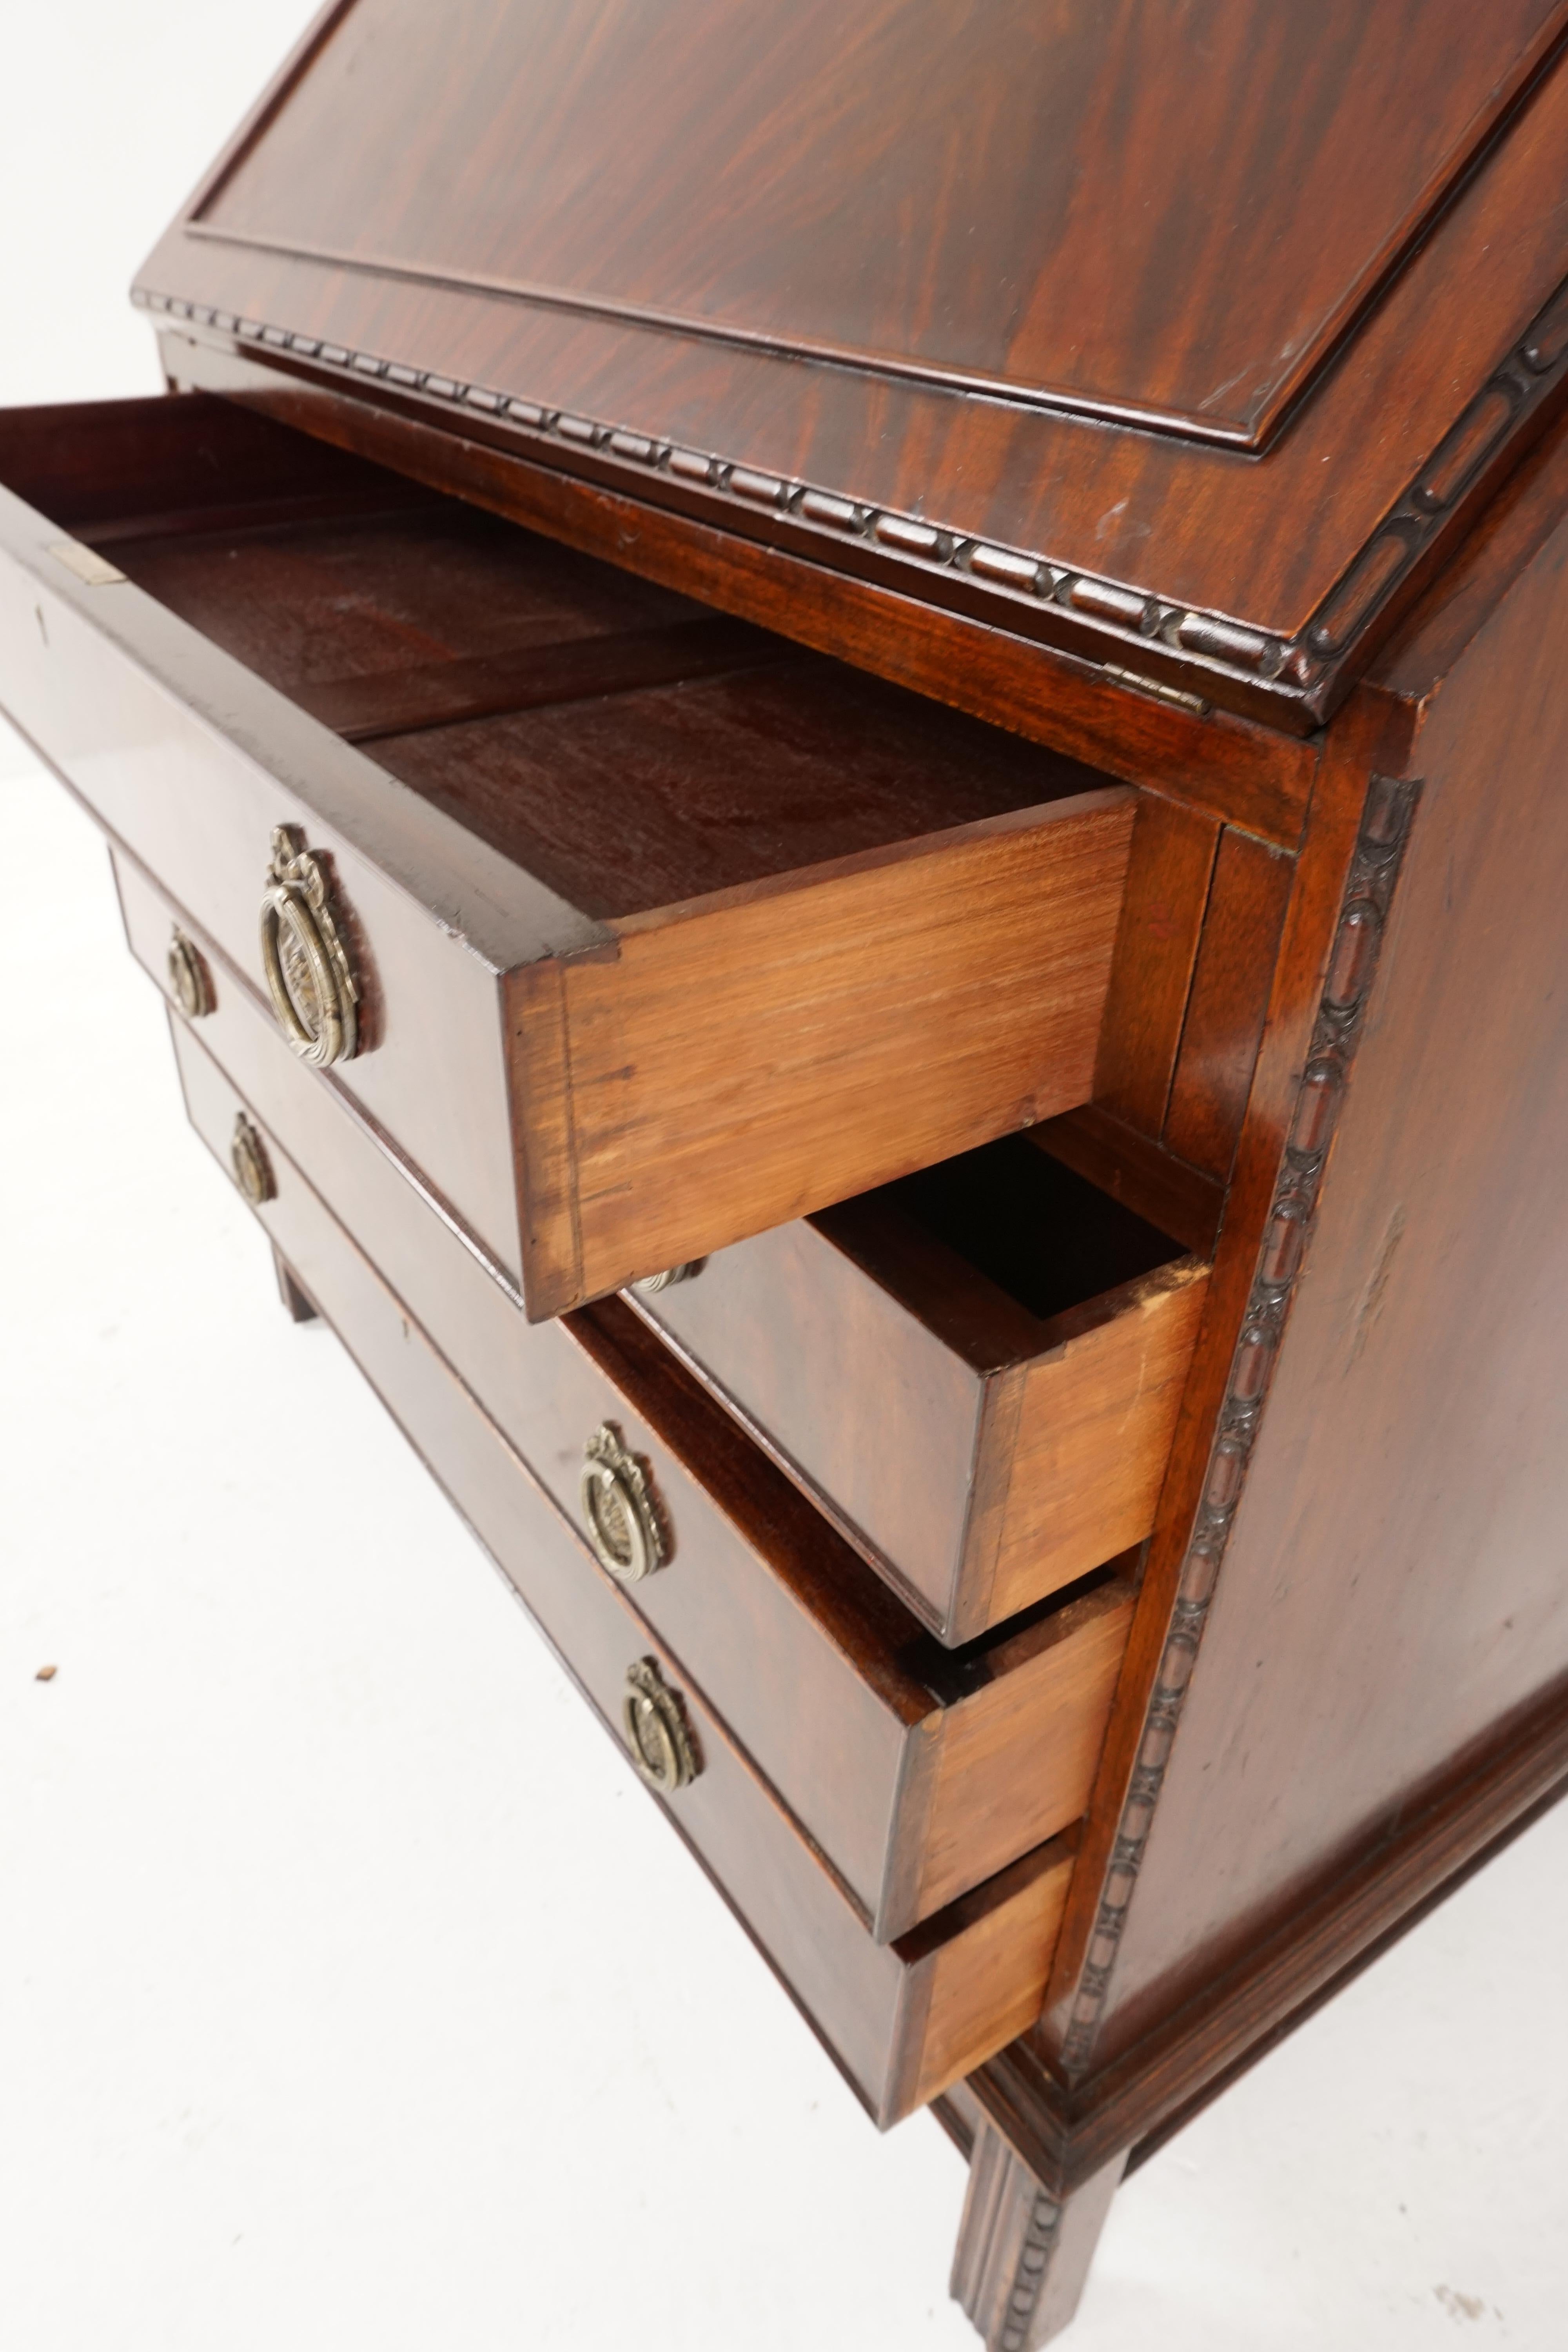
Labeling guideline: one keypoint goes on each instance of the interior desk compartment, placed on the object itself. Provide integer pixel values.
(904, 2019)
(974, 1371)
(640, 929)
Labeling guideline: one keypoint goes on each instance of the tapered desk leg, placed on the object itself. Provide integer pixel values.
(1023, 2256)
(289, 1292)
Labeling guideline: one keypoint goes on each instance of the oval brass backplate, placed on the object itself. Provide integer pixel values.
(308, 976)
(252, 1167)
(623, 1524)
(658, 1733)
(189, 979)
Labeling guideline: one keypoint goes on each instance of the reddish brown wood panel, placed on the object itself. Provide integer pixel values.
(1393, 1593)
(1178, 1577)
(1230, 997)
(1169, 1193)
(1000, 666)
(1161, 920)
(1198, 560)
(851, 1723)
(902, 2020)
(766, 175)
(905, 1006)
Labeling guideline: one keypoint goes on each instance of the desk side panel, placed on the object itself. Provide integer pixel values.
(1392, 1595)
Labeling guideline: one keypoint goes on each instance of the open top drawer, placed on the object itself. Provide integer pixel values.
(1009, 1346)
(637, 930)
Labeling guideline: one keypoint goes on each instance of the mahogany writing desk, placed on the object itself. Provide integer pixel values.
(838, 739)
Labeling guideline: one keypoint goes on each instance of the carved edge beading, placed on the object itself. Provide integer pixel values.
(1129, 616)
(1040, 2236)
(1353, 963)
(979, 2283)
(1514, 391)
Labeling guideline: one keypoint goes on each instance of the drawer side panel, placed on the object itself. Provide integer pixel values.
(747, 1062)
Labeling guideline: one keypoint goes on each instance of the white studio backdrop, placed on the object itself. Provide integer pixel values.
(352, 1994)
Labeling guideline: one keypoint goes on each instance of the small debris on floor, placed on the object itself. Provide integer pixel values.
(46, 1674)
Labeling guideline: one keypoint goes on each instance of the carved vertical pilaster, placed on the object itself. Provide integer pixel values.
(1024, 2256)
(1351, 967)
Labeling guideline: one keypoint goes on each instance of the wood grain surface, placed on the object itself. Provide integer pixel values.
(904, 1006)
(1229, 1001)
(917, 1772)
(902, 2020)
(1008, 1349)
(791, 358)
(1414, 1603)
(842, 936)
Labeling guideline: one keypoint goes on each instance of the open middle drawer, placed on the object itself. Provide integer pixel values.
(1008, 1349)
(640, 929)
(919, 1771)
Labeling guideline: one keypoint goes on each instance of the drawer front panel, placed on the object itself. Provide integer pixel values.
(917, 1786)
(199, 809)
(902, 2020)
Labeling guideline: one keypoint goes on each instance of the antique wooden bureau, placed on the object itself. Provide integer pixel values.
(838, 732)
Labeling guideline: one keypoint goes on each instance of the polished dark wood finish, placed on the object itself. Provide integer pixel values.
(1009, 1349)
(1168, 881)
(365, 710)
(900, 938)
(1024, 2256)
(902, 2020)
(668, 544)
(1420, 1357)
(1211, 759)
(1346, 1686)
(918, 1773)
(1307, 458)
(1228, 1003)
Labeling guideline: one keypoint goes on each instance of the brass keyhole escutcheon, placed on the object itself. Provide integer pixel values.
(252, 1167)
(623, 1524)
(190, 981)
(308, 976)
(658, 1733)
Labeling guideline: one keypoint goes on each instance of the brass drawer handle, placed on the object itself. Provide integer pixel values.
(252, 1167)
(652, 1284)
(189, 979)
(309, 975)
(658, 1733)
(623, 1524)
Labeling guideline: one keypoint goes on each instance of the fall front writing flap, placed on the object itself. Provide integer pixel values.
(1157, 313)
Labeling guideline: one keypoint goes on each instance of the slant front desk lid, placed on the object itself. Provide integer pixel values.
(1179, 336)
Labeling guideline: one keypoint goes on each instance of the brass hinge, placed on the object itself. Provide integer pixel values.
(1155, 686)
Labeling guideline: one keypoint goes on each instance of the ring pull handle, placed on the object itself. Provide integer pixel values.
(252, 1167)
(658, 1733)
(652, 1284)
(308, 976)
(624, 1523)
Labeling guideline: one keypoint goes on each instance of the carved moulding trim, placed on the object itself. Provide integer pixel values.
(1127, 617)
(1351, 966)
(1515, 391)
(1012, 2227)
